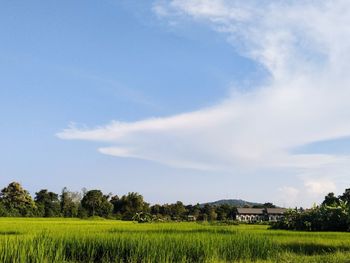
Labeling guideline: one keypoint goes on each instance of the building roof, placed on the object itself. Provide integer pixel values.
(251, 211)
(278, 211)
(260, 211)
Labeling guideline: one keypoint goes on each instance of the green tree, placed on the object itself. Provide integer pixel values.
(69, 203)
(346, 196)
(194, 210)
(265, 205)
(269, 205)
(17, 201)
(331, 200)
(3, 211)
(128, 205)
(225, 212)
(332, 215)
(48, 203)
(96, 204)
(156, 209)
(115, 202)
(177, 211)
(208, 213)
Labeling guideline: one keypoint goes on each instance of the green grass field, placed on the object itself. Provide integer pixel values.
(74, 240)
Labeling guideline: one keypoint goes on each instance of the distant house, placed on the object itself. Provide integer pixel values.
(275, 214)
(191, 218)
(250, 214)
(259, 214)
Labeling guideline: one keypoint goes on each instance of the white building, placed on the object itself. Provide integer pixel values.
(250, 214)
(275, 214)
(260, 214)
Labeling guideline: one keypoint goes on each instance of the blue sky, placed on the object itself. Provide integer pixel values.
(169, 99)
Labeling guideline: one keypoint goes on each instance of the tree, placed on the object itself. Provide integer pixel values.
(331, 200)
(69, 203)
(48, 203)
(332, 215)
(115, 202)
(177, 211)
(128, 205)
(156, 209)
(96, 204)
(269, 205)
(208, 213)
(3, 211)
(346, 196)
(225, 212)
(17, 201)
(265, 205)
(194, 210)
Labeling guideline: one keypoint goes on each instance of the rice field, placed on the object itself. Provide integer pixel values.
(73, 240)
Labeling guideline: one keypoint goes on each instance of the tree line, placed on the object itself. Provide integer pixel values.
(333, 214)
(15, 201)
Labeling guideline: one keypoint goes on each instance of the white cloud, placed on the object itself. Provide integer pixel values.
(215, 11)
(305, 46)
(313, 190)
(319, 186)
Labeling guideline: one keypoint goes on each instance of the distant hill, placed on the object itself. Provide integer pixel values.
(233, 202)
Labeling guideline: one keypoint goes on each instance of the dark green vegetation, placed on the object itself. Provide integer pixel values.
(332, 215)
(16, 202)
(234, 202)
(75, 240)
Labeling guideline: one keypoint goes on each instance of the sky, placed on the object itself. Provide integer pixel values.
(191, 100)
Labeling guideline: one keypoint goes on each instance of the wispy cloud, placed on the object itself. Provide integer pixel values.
(304, 45)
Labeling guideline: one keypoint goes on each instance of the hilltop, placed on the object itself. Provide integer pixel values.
(233, 202)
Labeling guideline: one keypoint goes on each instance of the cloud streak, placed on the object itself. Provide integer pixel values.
(305, 47)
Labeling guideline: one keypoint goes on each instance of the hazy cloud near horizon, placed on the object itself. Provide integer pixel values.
(305, 47)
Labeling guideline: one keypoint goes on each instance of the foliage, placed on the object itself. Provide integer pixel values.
(332, 215)
(209, 213)
(70, 203)
(128, 205)
(17, 201)
(142, 217)
(48, 203)
(96, 204)
(225, 212)
(265, 205)
(3, 210)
